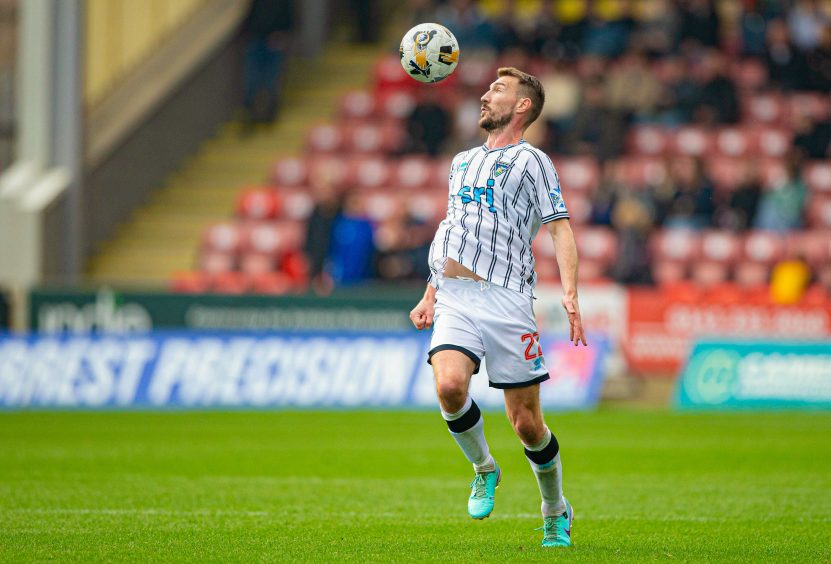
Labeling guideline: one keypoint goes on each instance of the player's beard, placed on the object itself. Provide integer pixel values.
(491, 122)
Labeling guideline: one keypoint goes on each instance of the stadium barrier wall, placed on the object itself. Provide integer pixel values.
(188, 370)
(756, 375)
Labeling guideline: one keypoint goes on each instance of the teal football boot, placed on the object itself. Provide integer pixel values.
(556, 531)
(483, 487)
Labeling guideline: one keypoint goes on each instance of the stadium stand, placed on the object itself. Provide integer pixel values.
(724, 196)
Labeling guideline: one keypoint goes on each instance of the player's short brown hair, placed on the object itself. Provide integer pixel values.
(529, 87)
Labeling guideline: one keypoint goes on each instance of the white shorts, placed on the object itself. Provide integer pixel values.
(482, 319)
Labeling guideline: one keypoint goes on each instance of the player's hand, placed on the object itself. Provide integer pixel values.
(422, 314)
(575, 324)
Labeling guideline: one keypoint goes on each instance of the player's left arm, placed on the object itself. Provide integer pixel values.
(566, 250)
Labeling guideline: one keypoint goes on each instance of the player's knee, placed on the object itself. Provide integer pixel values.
(452, 393)
(528, 428)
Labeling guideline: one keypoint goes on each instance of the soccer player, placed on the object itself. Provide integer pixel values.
(479, 299)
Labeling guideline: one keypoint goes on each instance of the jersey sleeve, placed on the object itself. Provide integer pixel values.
(548, 198)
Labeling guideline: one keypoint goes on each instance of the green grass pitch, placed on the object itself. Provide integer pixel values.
(392, 486)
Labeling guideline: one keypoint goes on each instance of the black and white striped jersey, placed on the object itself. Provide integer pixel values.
(497, 201)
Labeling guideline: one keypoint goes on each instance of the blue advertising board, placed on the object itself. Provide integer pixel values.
(758, 374)
(256, 370)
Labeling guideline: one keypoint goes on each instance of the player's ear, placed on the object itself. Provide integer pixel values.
(523, 105)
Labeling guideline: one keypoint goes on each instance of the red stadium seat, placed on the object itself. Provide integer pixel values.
(547, 269)
(708, 273)
(648, 140)
(380, 204)
(819, 212)
(358, 105)
(692, 141)
(592, 270)
(813, 245)
(258, 204)
(597, 244)
(817, 175)
(812, 105)
(371, 172)
(373, 138)
(274, 238)
(415, 173)
(295, 204)
(725, 172)
(773, 142)
(581, 174)
(257, 262)
(751, 274)
(763, 247)
(326, 138)
(276, 283)
(223, 237)
(216, 261)
(735, 142)
(230, 283)
(579, 208)
(190, 282)
(331, 170)
(543, 248)
(289, 172)
(764, 109)
(429, 207)
(677, 245)
(295, 265)
(396, 104)
(720, 246)
(388, 74)
(669, 272)
(750, 74)
(640, 171)
(476, 73)
(441, 173)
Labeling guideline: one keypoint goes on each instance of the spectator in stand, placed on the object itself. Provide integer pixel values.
(657, 29)
(680, 94)
(739, 211)
(782, 206)
(351, 249)
(428, 125)
(693, 202)
(789, 279)
(268, 33)
(597, 130)
(786, 64)
(319, 232)
(719, 103)
(806, 21)
(752, 27)
(819, 63)
(507, 29)
(562, 92)
(544, 34)
(605, 198)
(632, 219)
(632, 89)
(473, 31)
(607, 30)
(700, 25)
(466, 130)
(403, 246)
(812, 137)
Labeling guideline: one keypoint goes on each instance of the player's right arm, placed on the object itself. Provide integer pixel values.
(422, 314)
(565, 249)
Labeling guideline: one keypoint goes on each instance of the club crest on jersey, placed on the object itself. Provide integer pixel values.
(556, 199)
(500, 168)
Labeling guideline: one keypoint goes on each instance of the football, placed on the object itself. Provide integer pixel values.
(429, 52)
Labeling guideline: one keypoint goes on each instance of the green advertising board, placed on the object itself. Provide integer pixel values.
(758, 374)
(61, 311)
